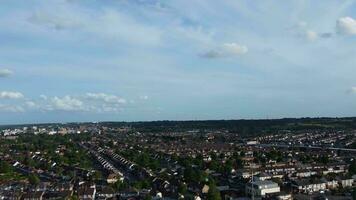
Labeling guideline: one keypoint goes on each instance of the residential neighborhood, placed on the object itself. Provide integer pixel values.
(103, 161)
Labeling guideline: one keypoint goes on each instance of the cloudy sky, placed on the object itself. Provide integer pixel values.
(95, 60)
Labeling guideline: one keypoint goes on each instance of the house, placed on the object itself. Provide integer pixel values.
(330, 183)
(251, 142)
(354, 177)
(305, 173)
(205, 189)
(161, 185)
(105, 192)
(197, 197)
(129, 193)
(284, 196)
(10, 195)
(112, 178)
(262, 177)
(345, 181)
(335, 170)
(279, 170)
(245, 174)
(159, 195)
(57, 195)
(65, 186)
(86, 193)
(308, 185)
(262, 188)
(33, 195)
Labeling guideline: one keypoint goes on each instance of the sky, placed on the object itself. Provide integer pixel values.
(143, 60)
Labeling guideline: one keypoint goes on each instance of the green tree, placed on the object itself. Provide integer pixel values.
(145, 184)
(28, 161)
(352, 167)
(5, 167)
(182, 188)
(199, 160)
(239, 162)
(324, 160)
(214, 165)
(97, 175)
(74, 197)
(203, 176)
(242, 154)
(141, 184)
(189, 174)
(228, 166)
(119, 186)
(33, 179)
(213, 193)
(148, 197)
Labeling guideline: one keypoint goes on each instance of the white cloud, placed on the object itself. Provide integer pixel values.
(108, 98)
(234, 49)
(90, 102)
(353, 90)
(52, 20)
(44, 97)
(302, 24)
(144, 97)
(66, 103)
(304, 31)
(311, 35)
(10, 95)
(5, 73)
(109, 108)
(11, 108)
(346, 25)
(301, 30)
(30, 104)
(226, 50)
(107, 23)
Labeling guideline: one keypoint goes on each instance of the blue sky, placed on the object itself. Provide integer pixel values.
(73, 60)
